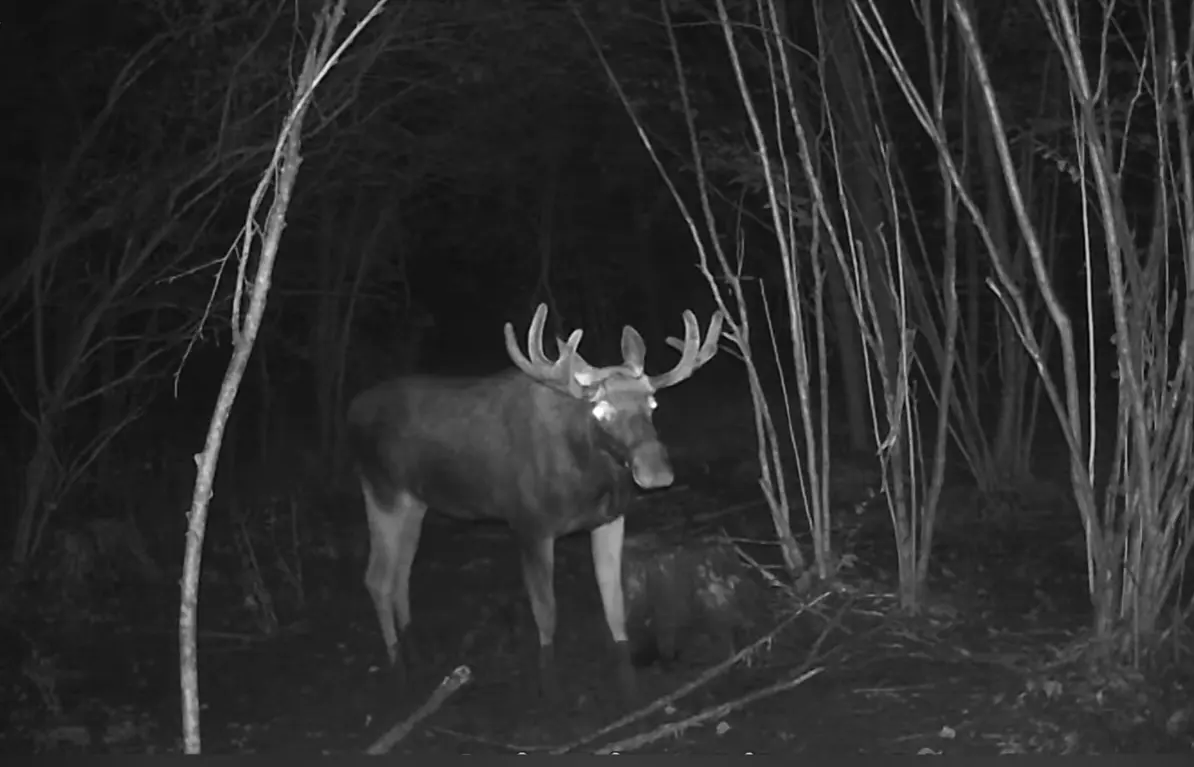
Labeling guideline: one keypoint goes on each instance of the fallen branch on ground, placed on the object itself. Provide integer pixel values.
(677, 728)
(451, 684)
(700, 681)
(763, 572)
(788, 589)
(491, 742)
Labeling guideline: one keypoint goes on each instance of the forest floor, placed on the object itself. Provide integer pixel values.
(996, 663)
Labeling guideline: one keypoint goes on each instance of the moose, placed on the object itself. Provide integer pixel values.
(549, 447)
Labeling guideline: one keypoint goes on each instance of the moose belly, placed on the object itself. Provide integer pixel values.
(552, 511)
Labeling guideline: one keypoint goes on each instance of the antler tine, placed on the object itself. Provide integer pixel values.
(535, 337)
(568, 349)
(709, 348)
(694, 354)
(683, 368)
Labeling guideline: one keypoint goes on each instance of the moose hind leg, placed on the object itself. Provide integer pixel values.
(607, 542)
(538, 573)
(408, 545)
(394, 530)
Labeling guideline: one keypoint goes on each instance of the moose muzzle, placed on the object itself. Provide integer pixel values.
(650, 466)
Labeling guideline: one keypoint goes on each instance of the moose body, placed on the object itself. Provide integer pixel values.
(551, 448)
(503, 448)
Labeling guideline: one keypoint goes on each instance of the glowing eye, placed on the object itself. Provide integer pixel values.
(651, 403)
(603, 411)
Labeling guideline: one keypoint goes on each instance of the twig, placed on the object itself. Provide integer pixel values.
(451, 684)
(829, 627)
(676, 728)
(467, 736)
(771, 579)
(751, 541)
(701, 680)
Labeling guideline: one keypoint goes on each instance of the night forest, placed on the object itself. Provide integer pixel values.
(828, 366)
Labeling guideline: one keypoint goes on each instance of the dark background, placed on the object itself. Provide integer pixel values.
(464, 162)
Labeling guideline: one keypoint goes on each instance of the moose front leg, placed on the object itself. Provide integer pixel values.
(538, 573)
(607, 543)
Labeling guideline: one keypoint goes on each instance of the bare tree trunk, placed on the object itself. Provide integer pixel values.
(280, 176)
(1012, 359)
(112, 401)
(850, 100)
(847, 97)
(850, 361)
(38, 477)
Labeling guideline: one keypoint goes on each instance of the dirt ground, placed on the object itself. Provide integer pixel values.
(996, 664)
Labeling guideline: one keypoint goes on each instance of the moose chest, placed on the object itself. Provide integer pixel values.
(573, 504)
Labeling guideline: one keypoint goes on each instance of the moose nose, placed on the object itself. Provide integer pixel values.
(651, 468)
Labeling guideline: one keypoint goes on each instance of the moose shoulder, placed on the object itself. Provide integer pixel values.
(550, 448)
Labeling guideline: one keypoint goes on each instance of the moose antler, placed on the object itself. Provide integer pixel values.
(570, 370)
(693, 354)
(538, 366)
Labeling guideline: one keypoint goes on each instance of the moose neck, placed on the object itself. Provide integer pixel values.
(595, 456)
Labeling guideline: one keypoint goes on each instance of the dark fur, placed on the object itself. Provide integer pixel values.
(504, 447)
(682, 590)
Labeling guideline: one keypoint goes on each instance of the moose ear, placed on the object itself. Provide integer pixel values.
(633, 350)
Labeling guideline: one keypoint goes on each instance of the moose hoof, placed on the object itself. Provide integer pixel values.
(549, 682)
(627, 679)
(403, 657)
(397, 669)
(412, 654)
